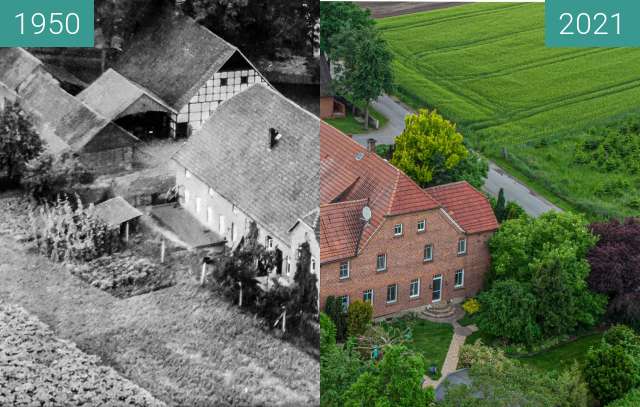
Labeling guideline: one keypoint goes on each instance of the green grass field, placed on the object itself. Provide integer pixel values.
(564, 356)
(486, 67)
(349, 125)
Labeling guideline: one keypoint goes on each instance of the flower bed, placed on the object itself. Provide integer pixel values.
(36, 368)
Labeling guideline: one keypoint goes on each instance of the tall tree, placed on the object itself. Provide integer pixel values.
(19, 141)
(428, 148)
(337, 16)
(364, 69)
(306, 290)
(500, 206)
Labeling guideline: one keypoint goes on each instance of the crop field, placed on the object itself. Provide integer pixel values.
(486, 67)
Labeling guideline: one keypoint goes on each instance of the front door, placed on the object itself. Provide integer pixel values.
(436, 293)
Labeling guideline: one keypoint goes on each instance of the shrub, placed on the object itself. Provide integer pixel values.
(47, 176)
(478, 353)
(471, 306)
(610, 372)
(631, 399)
(358, 317)
(333, 308)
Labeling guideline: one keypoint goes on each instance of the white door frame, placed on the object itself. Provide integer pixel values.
(433, 286)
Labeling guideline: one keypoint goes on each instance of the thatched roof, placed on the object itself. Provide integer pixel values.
(116, 211)
(112, 94)
(62, 120)
(231, 154)
(174, 56)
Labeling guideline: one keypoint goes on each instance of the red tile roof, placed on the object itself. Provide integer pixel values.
(466, 205)
(352, 177)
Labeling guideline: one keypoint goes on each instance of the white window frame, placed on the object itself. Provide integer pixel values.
(348, 270)
(464, 243)
(422, 223)
(397, 232)
(313, 264)
(424, 252)
(384, 268)
(395, 292)
(455, 279)
(198, 204)
(368, 291)
(417, 280)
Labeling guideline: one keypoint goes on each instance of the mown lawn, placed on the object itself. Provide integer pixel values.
(505, 89)
(563, 357)
(349, 125)
(431, 339)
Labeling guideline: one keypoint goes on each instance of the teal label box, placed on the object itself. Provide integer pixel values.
(46, 23)
(592, 23)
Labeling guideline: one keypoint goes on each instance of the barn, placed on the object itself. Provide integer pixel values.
(179, 63)
(63, 121)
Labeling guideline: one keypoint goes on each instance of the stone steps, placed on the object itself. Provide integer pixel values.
(439, 311)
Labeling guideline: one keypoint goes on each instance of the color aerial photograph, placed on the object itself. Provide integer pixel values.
(159, 195)
(479, 210)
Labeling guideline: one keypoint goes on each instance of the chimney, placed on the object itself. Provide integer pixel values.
(274, 138)
(371, 145)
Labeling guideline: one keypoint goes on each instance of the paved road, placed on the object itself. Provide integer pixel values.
(532, 203)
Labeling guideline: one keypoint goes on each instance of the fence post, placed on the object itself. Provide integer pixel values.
(284, 320)
(162, 250)
(204, 271)
(240, 302)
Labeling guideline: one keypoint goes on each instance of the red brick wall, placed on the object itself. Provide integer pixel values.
(326, 107)
(405, 263)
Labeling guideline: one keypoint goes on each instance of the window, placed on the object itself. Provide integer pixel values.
(223, 81)
(344, 301)
(414, 288)
(234, 209)
(392, 293)
(234, 232)
(198, 204)
(344, 270)
(186, 196)
(223, 229)
(210, 216)
(459, 278)
(313, 264)
(367, 296)
(381, 262)
(288, 265)
(422, 225)
(210, 191)
(269, 242)
(397, 230)
(428, 253)
(187, 174)
(462, 246)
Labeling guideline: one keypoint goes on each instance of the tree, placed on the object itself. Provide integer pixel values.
(19, 141)
(333, 308)
(615, 268)
(260, 26)
(358, 317)
(395, 381)
(631, 399)
(428, 148)
(508, 310)
(500, 208)
(306, 283)
(340, 366)
(47, 176)
(338, 16)
(473, 169)
(364, 69)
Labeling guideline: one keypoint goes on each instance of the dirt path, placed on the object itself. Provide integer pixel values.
(389, 9)
(182, 344)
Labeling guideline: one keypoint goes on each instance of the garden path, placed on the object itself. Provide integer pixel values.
(460, 334)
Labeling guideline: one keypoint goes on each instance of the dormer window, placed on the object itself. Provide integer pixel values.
(274, 138)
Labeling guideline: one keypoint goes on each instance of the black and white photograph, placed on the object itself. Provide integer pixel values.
(159, 209)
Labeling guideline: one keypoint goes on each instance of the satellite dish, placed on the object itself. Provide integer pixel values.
(366, 214)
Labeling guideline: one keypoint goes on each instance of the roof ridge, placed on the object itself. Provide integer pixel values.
(351, 202)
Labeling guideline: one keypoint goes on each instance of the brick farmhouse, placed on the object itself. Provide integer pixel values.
(384, 239)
